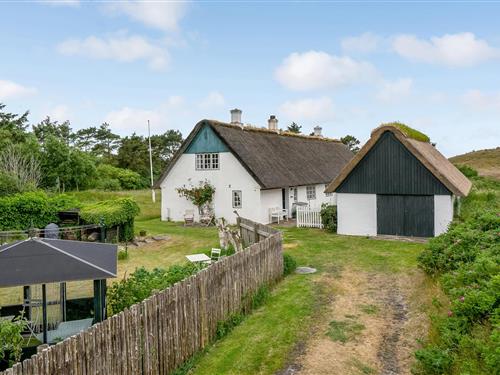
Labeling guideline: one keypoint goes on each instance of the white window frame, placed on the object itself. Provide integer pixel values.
(207, 161)
(237, 195)
(311, 192)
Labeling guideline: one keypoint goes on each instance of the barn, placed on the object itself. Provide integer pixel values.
(397, 184)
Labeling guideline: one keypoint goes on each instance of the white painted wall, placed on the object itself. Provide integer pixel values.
(443, 213)
(357, 214)
(321, 197)
(269, 199)
(230, 176)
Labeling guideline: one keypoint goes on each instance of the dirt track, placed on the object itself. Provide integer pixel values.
(388, 325)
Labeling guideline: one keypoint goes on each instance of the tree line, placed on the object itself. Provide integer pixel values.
(52, 156)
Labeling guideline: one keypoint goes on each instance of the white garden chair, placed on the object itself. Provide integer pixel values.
(277, 213)
(189, 217)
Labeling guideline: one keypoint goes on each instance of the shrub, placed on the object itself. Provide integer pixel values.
(143, 283)
(122, 178)
(109, 184)
(466, 260)
(11, 339)
(467, 171)
(329, 217)
(433, 360)
(289, 264)
(122, 255)
(8, 184)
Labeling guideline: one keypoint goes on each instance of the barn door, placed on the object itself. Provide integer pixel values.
(405, 215)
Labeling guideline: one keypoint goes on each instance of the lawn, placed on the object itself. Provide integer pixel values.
(270, 337)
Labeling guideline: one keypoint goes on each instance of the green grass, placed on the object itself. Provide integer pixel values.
(409, 132)
(369, 309)
(265, 340)
(344, 330)
(149, 210)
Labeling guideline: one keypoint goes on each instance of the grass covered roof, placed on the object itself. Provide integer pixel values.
(409, 132)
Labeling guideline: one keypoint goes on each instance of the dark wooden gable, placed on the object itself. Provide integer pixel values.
(389, 168)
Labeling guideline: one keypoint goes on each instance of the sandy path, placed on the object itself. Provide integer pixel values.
(388, 320)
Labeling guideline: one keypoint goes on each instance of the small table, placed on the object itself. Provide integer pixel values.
(198, 258)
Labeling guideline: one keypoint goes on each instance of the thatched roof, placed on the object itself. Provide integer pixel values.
(425, 152)
(277, 160)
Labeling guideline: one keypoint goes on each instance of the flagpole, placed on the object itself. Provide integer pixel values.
(153, 195)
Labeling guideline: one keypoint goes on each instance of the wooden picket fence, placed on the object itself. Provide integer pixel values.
(159, 334)
(308, 217)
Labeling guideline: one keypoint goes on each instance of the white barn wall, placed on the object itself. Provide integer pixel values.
(357, 214)
(443, 213)
(230, 176)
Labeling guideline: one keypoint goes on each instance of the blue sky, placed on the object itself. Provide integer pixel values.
(342, 65)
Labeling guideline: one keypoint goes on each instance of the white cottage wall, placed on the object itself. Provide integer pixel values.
(357, 214)
(269, 199)
(321, 197)
(443, 213)
(230, 176)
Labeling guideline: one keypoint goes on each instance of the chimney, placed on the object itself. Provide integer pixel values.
(236, 116)
(317, 131)
(273, 123)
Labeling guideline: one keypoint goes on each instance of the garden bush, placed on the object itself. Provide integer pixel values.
(329, 217)
(466, 261)
(143, 283)
(289, 264)
(114, 178)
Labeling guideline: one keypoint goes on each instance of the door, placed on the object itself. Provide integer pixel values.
(405, 215)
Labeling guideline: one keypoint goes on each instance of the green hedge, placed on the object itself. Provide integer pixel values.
(33, 209)
(117, 212)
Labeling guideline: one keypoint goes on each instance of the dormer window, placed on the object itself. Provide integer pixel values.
(207, 161)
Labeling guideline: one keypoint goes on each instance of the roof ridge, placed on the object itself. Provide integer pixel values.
(249, 127)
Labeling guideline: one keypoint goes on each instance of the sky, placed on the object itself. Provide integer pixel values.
(346, 66)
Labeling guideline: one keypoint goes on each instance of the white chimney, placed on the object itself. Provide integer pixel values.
(236, 116)
(317, 131)
(273, 123)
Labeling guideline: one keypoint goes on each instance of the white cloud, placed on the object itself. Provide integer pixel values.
(455, 50)
(60, 113)
(213, 99)
(119, 47)
(364, 43)
(129, 119)
(320, 70)
(395, 90)
(159, 15)
(9, 90)
(314, 109)
(479, 100)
